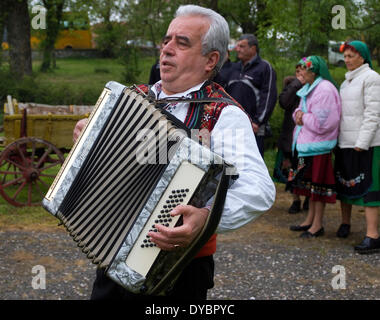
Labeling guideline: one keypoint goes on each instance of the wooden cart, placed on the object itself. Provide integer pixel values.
(36, 137)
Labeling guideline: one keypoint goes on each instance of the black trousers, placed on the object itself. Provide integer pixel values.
(260, 144)
(192, 284)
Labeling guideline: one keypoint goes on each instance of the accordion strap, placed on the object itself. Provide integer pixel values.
(150, 96)
(191, 100)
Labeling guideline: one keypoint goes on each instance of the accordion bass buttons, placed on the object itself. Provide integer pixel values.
(165, 218)
(179, 191)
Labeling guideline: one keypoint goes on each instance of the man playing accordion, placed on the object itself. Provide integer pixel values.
(194, 49)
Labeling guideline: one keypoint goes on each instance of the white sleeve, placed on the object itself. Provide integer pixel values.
(253, 192)
(371, 114)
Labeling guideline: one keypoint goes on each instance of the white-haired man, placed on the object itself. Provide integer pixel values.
(194, 47)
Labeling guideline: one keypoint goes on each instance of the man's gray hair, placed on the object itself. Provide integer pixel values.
(217, 36)
(251, 39)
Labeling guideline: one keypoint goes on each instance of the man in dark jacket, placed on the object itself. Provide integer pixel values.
(155, 70)
(224, 74)
(253, 84)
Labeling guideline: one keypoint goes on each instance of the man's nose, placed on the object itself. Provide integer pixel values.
(168, 48)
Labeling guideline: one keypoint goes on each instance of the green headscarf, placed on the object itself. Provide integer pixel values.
(317, 65)
(360, 47)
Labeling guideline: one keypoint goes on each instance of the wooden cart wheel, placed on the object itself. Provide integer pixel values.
(28, 167)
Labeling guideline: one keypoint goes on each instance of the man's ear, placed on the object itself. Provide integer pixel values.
(212, 59)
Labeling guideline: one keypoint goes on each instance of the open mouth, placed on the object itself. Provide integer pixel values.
(165, 63)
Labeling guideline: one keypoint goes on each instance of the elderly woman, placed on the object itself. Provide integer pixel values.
(357, 163)
(317, 119)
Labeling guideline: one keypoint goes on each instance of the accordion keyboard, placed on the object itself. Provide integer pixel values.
(179, 191)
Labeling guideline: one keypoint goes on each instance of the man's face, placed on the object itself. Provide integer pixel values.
(244, 51)
(352, 59)
(182, 64)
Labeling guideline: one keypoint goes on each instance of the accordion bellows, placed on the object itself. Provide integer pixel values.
(131, 165)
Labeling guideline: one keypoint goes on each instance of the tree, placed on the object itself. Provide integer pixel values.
(110, 33)
(18, 26)
(246, 14)
(2, 27)
(54, 9)
(149, 20)
(370, 26)
(302, 27)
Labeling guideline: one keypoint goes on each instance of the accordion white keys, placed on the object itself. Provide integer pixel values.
(132, 164)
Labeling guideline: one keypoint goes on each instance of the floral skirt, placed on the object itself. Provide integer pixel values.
(313, 177)
(358, 176)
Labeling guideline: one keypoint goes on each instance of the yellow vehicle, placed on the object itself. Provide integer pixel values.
(68, 39)
(75, 33)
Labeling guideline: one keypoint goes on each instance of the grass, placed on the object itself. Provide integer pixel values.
(89, 73)
(25, 218)
(76, 81)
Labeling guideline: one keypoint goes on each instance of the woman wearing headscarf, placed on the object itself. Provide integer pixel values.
(357, 163)
(315, 135)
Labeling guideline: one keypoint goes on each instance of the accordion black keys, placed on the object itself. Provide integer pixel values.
(132, 164)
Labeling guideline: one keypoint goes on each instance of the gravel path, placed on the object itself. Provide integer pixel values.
(261, 261)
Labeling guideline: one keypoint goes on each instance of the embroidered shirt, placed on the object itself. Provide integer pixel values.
(232, 137)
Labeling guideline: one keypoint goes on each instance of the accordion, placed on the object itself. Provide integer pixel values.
(131, 165)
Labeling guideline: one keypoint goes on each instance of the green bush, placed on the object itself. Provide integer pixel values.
(30, 90)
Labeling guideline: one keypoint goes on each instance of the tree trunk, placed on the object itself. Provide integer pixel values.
(249, 27)
(1, 38)
(18, 26)
(47, 56)
(214, 5)
(53, 19)
(300, 17)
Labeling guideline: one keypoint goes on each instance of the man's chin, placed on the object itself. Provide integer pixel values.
(168, 85)
(167, 76)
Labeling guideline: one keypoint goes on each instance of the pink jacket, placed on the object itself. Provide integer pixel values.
(320, 129)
